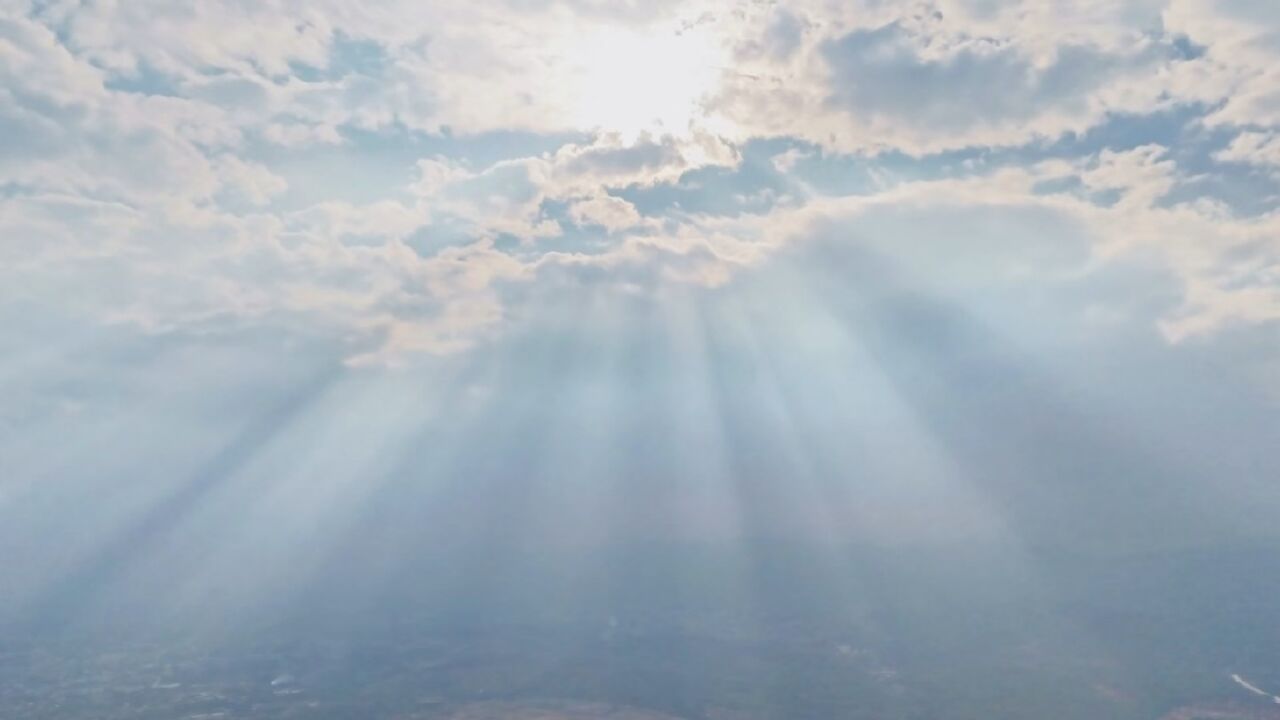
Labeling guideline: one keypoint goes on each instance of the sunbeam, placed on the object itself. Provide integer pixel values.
(704, 360)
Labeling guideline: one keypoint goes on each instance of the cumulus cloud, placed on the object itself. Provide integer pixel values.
(611, 213)
(1253, 148)
(891, 76)
(1241, 41)
(936, 76)
(397, 174)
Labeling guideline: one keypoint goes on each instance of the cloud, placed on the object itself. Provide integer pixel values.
(951, 75)
(889, 76)
(456, 273)
(147, 150)
(1253, 148)
(611, 213)
(1238, 70)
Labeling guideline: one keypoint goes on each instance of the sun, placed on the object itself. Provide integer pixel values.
(631, 82)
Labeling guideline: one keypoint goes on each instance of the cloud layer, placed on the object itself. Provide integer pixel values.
(400, 176)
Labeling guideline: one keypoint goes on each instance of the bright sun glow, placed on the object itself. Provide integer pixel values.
(628, 82)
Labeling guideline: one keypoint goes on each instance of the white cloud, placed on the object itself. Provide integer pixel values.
(1141, 176)
(609, 212)
(507, 197)
(141, 137)
(1242, 48)
(250, 181)
(930, 77)
(1253, 148)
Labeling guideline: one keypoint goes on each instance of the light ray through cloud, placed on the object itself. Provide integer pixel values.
(709, 360)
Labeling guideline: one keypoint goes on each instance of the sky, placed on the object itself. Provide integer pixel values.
(276, 275)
